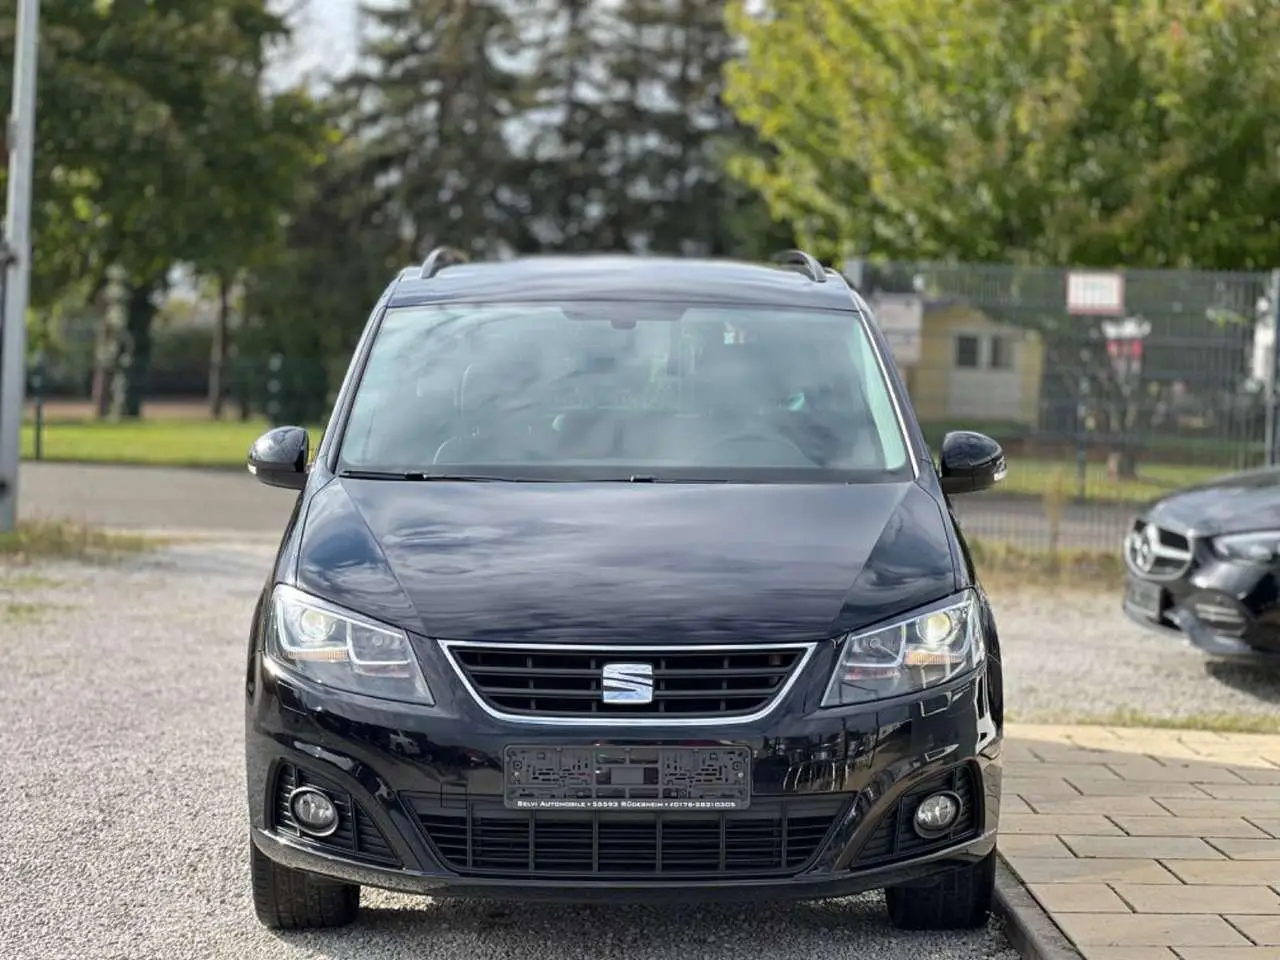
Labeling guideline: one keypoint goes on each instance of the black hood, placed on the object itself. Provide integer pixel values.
(1236, 503)
(609, 562)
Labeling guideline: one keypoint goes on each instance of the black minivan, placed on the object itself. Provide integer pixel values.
(623, 578)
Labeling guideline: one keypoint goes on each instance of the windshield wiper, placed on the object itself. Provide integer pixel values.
(416, 475)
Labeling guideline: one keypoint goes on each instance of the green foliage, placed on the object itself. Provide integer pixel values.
(606, 132)
(1081, 132)
(429, 111)
(309, 301)
(497, 125)
(156, 146)
(568, 172)
(671, 59)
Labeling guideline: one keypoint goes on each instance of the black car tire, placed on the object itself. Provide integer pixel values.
(287, 899)
(960, 901)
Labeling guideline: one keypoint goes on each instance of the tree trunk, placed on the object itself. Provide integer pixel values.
(218, 353)
(1122, 464)
(106, 350)
(101, 390)
(240, 391)
(133, 359)
(103, 364)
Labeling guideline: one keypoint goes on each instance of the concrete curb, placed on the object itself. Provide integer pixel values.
(1030, 930)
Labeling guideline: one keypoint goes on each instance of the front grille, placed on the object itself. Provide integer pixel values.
(896, 839)
(484, 838)
(356, 834)
(687, 683)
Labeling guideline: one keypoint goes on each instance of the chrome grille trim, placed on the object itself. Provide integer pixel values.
(620, 651)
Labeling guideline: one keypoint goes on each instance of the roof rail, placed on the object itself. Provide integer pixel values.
(438, 259)
(798, 258)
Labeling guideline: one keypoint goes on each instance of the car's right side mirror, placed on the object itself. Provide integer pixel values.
(970, 462)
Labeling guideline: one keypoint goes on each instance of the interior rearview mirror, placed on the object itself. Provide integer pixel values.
(280, 456)
(970, 462)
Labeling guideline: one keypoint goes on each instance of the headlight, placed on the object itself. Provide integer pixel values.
(340, 649)
(1249, 547)
(931, 646)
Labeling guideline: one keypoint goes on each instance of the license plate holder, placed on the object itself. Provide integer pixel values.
(626, 777)
(1144, 597)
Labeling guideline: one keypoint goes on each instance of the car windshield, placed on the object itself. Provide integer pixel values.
(626, 391)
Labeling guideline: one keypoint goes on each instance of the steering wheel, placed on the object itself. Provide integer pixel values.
(754, 436)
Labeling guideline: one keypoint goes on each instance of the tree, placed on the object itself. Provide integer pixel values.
(1079, 133)
(568, 160)
(444, 135)
(417, 157)
(142, 155)
(308, 301)
(254, 161)
(1088, 132)
(431, 104)
(623, 139)
(669, 62)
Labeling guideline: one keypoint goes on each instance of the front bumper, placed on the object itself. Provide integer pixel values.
(420, 791)
(1244, 635)
(1186, 626)
(812, 886)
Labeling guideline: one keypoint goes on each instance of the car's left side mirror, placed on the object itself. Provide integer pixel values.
(279, 457)
(970, 462)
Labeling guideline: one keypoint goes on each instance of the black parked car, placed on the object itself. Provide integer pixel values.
(1203, 562)
(623, 578)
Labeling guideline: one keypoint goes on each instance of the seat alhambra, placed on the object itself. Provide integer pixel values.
(623, 578)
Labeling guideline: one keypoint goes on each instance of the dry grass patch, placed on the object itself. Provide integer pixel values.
(1005, 567)
(39, 540)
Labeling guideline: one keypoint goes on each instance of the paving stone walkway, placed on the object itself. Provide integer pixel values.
(1148, 844)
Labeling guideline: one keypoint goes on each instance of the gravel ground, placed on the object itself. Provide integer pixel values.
(120, 750)
(121, 777)
(1076, 657)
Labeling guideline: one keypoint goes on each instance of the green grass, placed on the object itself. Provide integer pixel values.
(1035, 477)
(193, 442)
(169, 442)
(62, 540)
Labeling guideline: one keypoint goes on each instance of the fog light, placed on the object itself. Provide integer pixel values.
(936, 814)
(314, 812)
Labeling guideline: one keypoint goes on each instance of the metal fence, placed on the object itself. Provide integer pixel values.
(1107, 389)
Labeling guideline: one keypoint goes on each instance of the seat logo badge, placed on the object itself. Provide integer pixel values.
(627, 683)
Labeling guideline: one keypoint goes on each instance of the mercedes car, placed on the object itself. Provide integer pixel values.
(1203, 564)
(623, 578)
